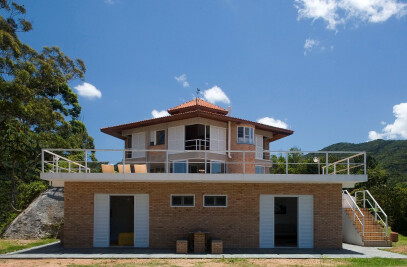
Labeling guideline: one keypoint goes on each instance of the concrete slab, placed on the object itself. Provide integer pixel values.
(56, 251)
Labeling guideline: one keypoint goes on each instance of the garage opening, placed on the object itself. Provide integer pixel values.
(121, 220)
(286, 221)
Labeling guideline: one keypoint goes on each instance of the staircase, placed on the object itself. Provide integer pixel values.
(367, 217)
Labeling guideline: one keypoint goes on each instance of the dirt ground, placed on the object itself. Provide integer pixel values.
(402, 249)
(169, 262)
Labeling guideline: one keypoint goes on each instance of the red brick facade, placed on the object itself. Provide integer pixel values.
(237, 225)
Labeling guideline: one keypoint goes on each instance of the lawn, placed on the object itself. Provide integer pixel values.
(8, 245)
(400, 246)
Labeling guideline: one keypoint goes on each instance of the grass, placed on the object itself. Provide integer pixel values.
(372, 262)
(7, 245)
(400, 246)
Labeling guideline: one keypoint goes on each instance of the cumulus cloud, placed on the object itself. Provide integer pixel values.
(309, 45)
(337, 12)
(182, 79)
(273, 122)
(158, 114)
(216, 94)
(395, 130)
(88, 90)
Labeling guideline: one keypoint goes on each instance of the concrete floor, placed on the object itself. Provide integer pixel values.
(56, 251)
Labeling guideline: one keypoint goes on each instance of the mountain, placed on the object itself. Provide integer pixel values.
(390, 154)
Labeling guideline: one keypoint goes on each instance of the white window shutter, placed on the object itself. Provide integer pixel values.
(176, 139)
(266, 237)
(101, 220)
(306, 221)
(217, 139)
(139, 142)
(141, 220)
(259, 146)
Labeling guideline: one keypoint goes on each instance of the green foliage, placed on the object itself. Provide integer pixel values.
(391, 155)
(38, 110)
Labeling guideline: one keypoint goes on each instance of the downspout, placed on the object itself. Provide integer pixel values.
(229, 135)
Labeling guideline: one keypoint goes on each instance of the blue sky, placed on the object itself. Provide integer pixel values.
(332, 73)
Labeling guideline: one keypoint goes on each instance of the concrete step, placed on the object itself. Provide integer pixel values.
(377, 243)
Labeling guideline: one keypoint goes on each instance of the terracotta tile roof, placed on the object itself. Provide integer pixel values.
(197, 104)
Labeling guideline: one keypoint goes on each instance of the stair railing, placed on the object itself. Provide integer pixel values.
(375, 206)
(355, 209)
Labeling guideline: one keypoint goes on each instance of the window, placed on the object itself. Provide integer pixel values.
(180, 166)
(215, 201)
(160, 137)
(245, 135)
(260, 170)
(182, 200)
(157, 138)
(128, 146)
(217, 166)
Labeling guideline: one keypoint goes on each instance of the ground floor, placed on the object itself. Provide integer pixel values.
(243, 215)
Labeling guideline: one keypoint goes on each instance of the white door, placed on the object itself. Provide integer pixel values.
(259, 146)
(176, 139)
(305, 221)
(266, 237)
(217, 139)
(141, 220)
(101, 220)
(139, 142)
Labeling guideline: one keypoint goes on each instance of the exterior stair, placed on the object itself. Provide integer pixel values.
(374, 235)
(371, 232)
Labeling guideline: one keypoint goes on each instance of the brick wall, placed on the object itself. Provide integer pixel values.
(237, 225)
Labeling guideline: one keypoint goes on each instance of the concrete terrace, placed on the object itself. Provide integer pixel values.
(56, 251)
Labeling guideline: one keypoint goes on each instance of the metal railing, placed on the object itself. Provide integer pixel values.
(197, 144)
(348, 164)
(355, 210)
(375, 207)
(66, 164)
(234, 161)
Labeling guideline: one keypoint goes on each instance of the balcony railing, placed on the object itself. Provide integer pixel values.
(229, 162)
(197, 144)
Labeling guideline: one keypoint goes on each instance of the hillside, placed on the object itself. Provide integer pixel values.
(391, 154)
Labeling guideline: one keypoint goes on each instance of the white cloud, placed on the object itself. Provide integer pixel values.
(337, 12)
(273, 122)
(182, 79)
(158, 114)
(88, 90)
(395, 130)
(215, 94)
(383, 123)
(309, 45)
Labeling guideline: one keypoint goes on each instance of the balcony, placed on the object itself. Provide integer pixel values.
(162, 165)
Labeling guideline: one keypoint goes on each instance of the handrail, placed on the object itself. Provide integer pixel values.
(348, 163)
(58, 157)
(354, 207)
(376, 207)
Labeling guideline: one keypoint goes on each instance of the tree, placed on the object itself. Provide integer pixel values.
(38, 108)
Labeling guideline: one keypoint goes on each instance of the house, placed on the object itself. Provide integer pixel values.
(201, 169)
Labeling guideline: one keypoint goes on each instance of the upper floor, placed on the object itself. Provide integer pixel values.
(201, 138)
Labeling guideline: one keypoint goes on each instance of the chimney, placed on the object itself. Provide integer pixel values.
(229, 111)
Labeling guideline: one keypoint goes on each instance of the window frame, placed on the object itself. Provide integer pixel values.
(264, 169)
(250, 138)
(182, 195)
(153, 137)
(180, 160)
(218, 161)
(215, 195)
